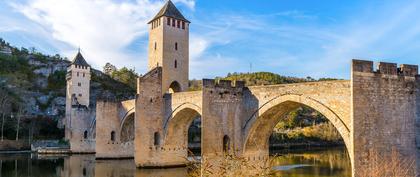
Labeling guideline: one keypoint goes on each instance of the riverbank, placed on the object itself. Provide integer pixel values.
(13, 145)
(305, 145)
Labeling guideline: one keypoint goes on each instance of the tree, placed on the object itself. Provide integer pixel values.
(18, 116)
(4, 108)
(126, 76)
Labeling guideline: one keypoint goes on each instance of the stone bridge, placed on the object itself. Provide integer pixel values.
(376, 111)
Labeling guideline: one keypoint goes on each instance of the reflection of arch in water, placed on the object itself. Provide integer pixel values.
(174, 87)
(161, 172)
(127, 129)
(260, 126)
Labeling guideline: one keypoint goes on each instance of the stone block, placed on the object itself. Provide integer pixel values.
(409, 70)
(362, 66)
(387, 68)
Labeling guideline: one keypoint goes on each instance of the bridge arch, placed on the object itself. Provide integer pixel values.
(260, 126)
(127, 130)
(176, 127)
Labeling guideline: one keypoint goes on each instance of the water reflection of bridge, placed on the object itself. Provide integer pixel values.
(334, 162)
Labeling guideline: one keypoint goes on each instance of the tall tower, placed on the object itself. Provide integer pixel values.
(78, 87)
(168, 47)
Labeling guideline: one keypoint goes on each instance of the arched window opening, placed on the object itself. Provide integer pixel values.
(85, 134)
(168, 21)
(176, 45)
(176, 64)
(113, 136)
(174, 87)
(155, 45)
(157, 139)
(183, 25)
(173, 22)
(178, 24)
(226, 144)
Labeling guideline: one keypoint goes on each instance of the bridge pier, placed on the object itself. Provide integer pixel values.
(151, 148)
(221, 121)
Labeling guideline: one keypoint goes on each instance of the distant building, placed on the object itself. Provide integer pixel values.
(109, 68)
(6, 50)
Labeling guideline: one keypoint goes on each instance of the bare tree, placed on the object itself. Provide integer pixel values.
(4, 103)
(18, 116)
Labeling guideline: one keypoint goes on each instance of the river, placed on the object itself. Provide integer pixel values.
(304, 163)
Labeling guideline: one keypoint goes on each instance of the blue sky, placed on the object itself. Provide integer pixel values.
(316, 38)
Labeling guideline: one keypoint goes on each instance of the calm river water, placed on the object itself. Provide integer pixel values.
(314, 163)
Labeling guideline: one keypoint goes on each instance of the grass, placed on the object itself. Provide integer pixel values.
(389, 165)
(230, 165)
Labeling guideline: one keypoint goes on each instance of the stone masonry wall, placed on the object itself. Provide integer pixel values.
(108, 120)
(80, 120)
(384, 106)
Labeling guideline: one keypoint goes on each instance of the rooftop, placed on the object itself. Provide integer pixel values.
(170, 10)
(79, 60)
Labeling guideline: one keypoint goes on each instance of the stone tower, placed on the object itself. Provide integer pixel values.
(168, 48)
(78, 87)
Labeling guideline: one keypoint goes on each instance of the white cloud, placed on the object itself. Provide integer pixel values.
(197, 46)
(189, 3)
(102, 28)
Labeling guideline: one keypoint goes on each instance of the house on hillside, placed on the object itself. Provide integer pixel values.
(6, 50)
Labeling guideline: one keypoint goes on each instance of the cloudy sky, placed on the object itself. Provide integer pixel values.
(316, 38)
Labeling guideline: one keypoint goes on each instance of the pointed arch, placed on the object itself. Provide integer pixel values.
(176, 127)
(260, 126)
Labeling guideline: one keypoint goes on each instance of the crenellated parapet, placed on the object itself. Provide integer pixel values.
(227, 84)
(384, 68)
(223, 90)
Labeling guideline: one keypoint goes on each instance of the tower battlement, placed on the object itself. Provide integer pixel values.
(211, 83)
(385, 68)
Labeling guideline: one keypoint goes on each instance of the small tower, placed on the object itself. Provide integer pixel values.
(78, 81)
(168, 48)
(78, 87)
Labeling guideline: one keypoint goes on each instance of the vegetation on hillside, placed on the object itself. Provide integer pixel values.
(106, 85)
(126, 76)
